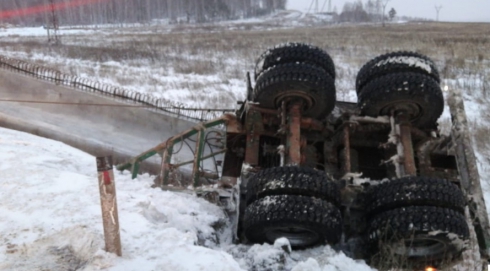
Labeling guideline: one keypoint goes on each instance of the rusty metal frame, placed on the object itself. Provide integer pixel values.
(468, 171)
(166, 148)
(440, 145)
(254, 128)
(288, 118)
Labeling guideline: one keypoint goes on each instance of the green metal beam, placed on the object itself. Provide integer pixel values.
(202, 158)
(133, 165)
(134, 170)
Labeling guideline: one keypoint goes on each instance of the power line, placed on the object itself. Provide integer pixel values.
(323, 7)
(311, 5)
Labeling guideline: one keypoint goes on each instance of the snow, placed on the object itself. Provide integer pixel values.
(409, 60)
(50, 219)
(40, 31)
(49, 198)
(331, 261)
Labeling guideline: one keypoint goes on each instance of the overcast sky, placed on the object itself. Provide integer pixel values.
(452, 10)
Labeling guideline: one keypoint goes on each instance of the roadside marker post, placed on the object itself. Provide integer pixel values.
(108, 201)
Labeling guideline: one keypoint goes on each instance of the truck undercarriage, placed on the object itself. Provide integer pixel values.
(375, 178)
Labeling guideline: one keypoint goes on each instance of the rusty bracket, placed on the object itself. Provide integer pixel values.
(346, 167)
(283, 114)
(166, 166)
(405, 134)
(294, 135)
(254, 127)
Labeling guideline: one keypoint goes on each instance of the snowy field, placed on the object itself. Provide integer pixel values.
(50, 219)
(49, 201)
(205, 65)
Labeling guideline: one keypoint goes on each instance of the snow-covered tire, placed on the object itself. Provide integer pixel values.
(415, 191)
(297, 81)
(417, 94)
(293, 181)
(418, 236)
(294, 53)
(304, 221)
(396, 62)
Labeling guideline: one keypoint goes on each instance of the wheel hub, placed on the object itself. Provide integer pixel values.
(297, 236)
(420, 246)
(290, 95)
(412, 109)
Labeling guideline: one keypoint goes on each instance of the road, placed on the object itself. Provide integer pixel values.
(93, 123)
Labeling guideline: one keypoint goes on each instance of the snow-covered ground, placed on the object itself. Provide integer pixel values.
(203, 77)
(50, 219)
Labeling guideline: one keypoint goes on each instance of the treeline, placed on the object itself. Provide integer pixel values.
(370, 11)
(131, 11)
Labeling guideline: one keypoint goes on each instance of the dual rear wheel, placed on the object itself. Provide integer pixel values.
(296, 72)
(404, 82)
(417, 222)
(300, 204)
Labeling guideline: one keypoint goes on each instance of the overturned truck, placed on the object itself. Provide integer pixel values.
(375, 178)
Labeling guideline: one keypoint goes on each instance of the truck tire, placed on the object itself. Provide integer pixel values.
(304, 221)
(293, 181)
(294, 53)
(297, 81)
(418, 236)
(417, 94)
(396, 62)
(415, 191)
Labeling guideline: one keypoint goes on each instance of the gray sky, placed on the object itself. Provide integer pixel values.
(452, 10)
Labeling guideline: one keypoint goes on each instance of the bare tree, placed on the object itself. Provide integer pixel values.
(353, 12)
(392, 14)
(53, 23)
(384, 3)
(130, 11)
(438, 9)
(378, 7)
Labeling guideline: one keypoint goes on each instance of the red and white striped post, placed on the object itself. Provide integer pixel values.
(108, 201)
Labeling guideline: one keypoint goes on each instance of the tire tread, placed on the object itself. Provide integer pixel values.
(289, 211)
(294, 53)
(382, 65)
(293, 181)
(310, 80)
(415, 191)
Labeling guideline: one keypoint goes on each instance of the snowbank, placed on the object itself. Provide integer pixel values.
(50, 220)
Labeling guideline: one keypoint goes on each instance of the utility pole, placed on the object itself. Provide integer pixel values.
(108, 203)
(316, 6)
(384, 3)
(438, 9)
